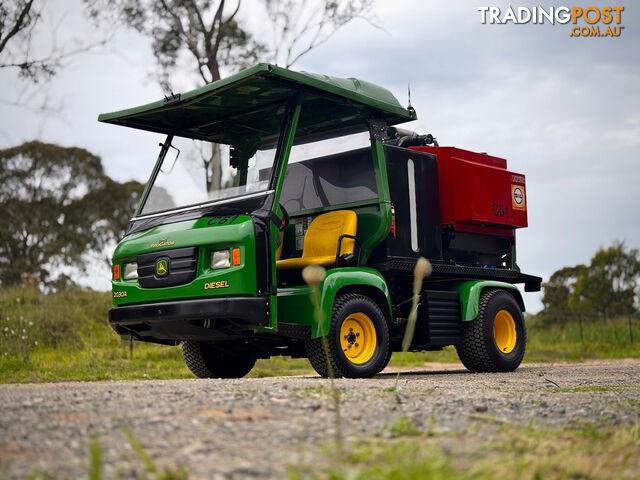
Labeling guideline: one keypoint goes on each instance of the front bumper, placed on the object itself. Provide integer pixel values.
(204, 319)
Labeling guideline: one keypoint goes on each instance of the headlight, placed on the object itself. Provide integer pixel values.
(130, 271)
(220, 259)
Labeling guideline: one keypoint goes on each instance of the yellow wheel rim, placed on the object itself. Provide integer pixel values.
(504, 331)
(358, 338)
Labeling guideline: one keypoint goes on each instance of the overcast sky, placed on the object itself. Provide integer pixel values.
(563, 111)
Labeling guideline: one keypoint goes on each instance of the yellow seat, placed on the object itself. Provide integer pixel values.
(321, 240)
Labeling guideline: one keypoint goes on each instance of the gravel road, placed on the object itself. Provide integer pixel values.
(253, 428)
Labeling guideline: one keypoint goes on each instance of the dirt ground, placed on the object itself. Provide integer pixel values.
(254, 428)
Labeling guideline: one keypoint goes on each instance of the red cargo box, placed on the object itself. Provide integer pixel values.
(477, 192)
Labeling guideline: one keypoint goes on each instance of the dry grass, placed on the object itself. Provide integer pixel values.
(507, 451)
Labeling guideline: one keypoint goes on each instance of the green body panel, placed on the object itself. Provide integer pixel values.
(470, 295)
(295, 302)
(381, 226)
(241, 279)
(262, 85)
(380, 166)
(294, 306)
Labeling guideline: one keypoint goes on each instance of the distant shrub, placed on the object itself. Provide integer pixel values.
(29, 318)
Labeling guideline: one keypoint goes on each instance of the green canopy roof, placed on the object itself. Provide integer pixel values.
(247, 103)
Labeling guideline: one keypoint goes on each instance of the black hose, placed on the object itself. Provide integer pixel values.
(407, 138)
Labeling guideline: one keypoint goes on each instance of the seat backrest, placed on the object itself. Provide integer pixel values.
(324, 231)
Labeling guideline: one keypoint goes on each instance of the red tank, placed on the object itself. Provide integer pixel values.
(477, 192)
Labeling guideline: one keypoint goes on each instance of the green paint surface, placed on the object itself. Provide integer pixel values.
(295, 303)
(191, 233)
(470, 295)
(261, 85)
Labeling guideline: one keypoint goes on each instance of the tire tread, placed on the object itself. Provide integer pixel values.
(315, 348)
(195, 356)
(473, 351)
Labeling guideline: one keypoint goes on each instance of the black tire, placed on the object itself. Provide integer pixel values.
(386, 360)
(479, 350)
(207, 361)
(348, 307)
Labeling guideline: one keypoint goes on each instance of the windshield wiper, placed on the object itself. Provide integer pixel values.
(175, 160)
(164, 148)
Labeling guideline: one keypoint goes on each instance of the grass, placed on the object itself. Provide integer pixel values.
(403, 427)
(419, 359)
(594, 388)
(372, 460)
(66, 336)
(503, 451)
(562, 341)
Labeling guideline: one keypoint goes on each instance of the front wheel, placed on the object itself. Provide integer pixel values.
(495, 340)
(357, 342)
(208, 361)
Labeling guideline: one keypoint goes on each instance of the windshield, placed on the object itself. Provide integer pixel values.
(237, 164)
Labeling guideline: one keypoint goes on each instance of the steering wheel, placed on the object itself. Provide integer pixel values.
(285, 218)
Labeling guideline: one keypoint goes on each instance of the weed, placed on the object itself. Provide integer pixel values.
(403, 427)
(422, 269)
(313, 275)
(96, 463)
(95, 459)
(150, 467)
(511, 451)
(372, 460)
(593, 388)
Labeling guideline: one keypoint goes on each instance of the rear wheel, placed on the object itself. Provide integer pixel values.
(207, 361)
(358, 339)
(495, 341)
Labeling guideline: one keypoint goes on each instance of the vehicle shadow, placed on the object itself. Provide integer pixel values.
(422, 372)
(403, 373)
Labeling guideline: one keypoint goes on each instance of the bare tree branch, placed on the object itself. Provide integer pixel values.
(20, 23)
(215, 35)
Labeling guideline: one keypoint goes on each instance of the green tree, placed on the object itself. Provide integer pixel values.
(610, 284)
(559, 287)
(57, 205)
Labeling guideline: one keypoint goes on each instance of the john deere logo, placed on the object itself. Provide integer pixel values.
(161, 268)
(163, 242)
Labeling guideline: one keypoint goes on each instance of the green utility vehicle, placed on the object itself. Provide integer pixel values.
(270, 170)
